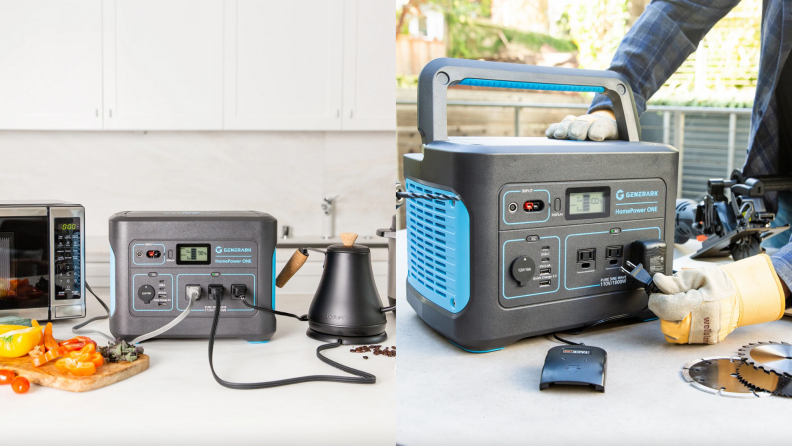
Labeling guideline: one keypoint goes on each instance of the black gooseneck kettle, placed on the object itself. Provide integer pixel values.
(346, 305)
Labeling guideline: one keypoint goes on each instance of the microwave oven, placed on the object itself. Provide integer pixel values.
(42, 260)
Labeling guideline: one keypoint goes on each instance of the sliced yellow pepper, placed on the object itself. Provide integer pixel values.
(19, 341)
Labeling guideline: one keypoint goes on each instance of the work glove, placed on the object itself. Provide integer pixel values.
(702, 306)
(596, 127)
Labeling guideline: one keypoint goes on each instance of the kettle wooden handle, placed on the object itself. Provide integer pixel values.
(294, 264)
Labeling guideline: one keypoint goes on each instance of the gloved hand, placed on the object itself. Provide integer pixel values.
(702, 306)
(598, 126)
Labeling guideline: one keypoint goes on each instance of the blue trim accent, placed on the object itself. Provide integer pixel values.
(147, 264)
(234, 256)
(530, 85)
(476, 351)
(659, 235)
(503, 280)
(227, 309)
(112, 281)
(257, 342)
(438, 248)
(173, 296)
(273, 279)
(549, 200)
(643, 202)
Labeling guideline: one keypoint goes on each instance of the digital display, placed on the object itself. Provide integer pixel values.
(586, 203)
(194, 253)
(75, 226)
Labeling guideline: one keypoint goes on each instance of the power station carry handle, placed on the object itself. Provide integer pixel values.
(442, 73)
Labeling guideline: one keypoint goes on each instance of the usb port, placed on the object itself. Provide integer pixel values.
(544, 271)
(161, 304)
(545, 248)
(544, 283)
(545, 259)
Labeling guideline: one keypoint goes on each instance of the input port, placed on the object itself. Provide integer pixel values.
(513, 207)
(544, 271)
(533, 206)
(153, 254)
(544, 283)
(545, 259)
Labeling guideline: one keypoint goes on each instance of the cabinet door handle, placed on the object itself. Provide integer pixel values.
(351, 113)
(97, 112)
(111, 113)
(338, 113)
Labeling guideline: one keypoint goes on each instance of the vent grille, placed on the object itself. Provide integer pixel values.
(438, 250)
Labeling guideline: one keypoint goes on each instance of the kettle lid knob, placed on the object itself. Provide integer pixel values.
(348, 238)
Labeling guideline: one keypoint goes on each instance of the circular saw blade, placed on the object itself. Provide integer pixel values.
(775, 357)
(718, 376)
(764, 381)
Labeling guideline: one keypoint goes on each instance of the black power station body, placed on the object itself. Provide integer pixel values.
(156, 255)
(535, 242)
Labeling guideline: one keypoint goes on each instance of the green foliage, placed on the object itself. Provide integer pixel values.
(597, 27)
(406, 81)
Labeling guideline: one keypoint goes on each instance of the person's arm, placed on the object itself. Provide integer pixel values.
(660, 41)
(782, 263)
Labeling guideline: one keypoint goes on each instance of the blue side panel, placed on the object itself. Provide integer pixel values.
(112, 282)
(478, 351)
(273, 279)
(530, 86)
(438, 248)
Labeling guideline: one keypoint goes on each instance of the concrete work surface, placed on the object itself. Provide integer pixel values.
(446, 396)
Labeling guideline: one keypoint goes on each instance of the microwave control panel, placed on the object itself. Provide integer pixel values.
(68, 272)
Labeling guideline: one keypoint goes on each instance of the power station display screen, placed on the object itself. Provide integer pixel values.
(587, 203)
(194, 254)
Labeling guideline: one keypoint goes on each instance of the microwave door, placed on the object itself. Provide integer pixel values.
(25, 263)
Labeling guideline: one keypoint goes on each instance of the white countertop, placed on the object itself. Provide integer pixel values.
(177, 401)
(447, 396)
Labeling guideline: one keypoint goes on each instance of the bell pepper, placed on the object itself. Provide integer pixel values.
(76, 368)
(81, 363)
(77, 343)
(16, 343)
(49, 341)
(38, 361)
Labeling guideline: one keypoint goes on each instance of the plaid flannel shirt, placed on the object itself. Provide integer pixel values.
(662, 39)
(669, 31)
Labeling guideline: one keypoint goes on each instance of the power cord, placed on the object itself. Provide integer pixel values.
(362, 377)
(638, 274)
(76, 329)
(191, 293)
(400, 195)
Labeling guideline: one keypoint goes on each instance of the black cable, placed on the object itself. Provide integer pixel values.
(303, 318)
(363, 377)
(400, 195)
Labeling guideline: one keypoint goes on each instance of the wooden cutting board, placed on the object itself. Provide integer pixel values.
(49, 376)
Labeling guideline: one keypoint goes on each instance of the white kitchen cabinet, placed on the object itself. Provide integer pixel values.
(369, 66)
(163, 64)
(284, 64)
(51, 64)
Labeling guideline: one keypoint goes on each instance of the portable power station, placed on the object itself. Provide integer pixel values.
(156, 255)
(535, 241)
